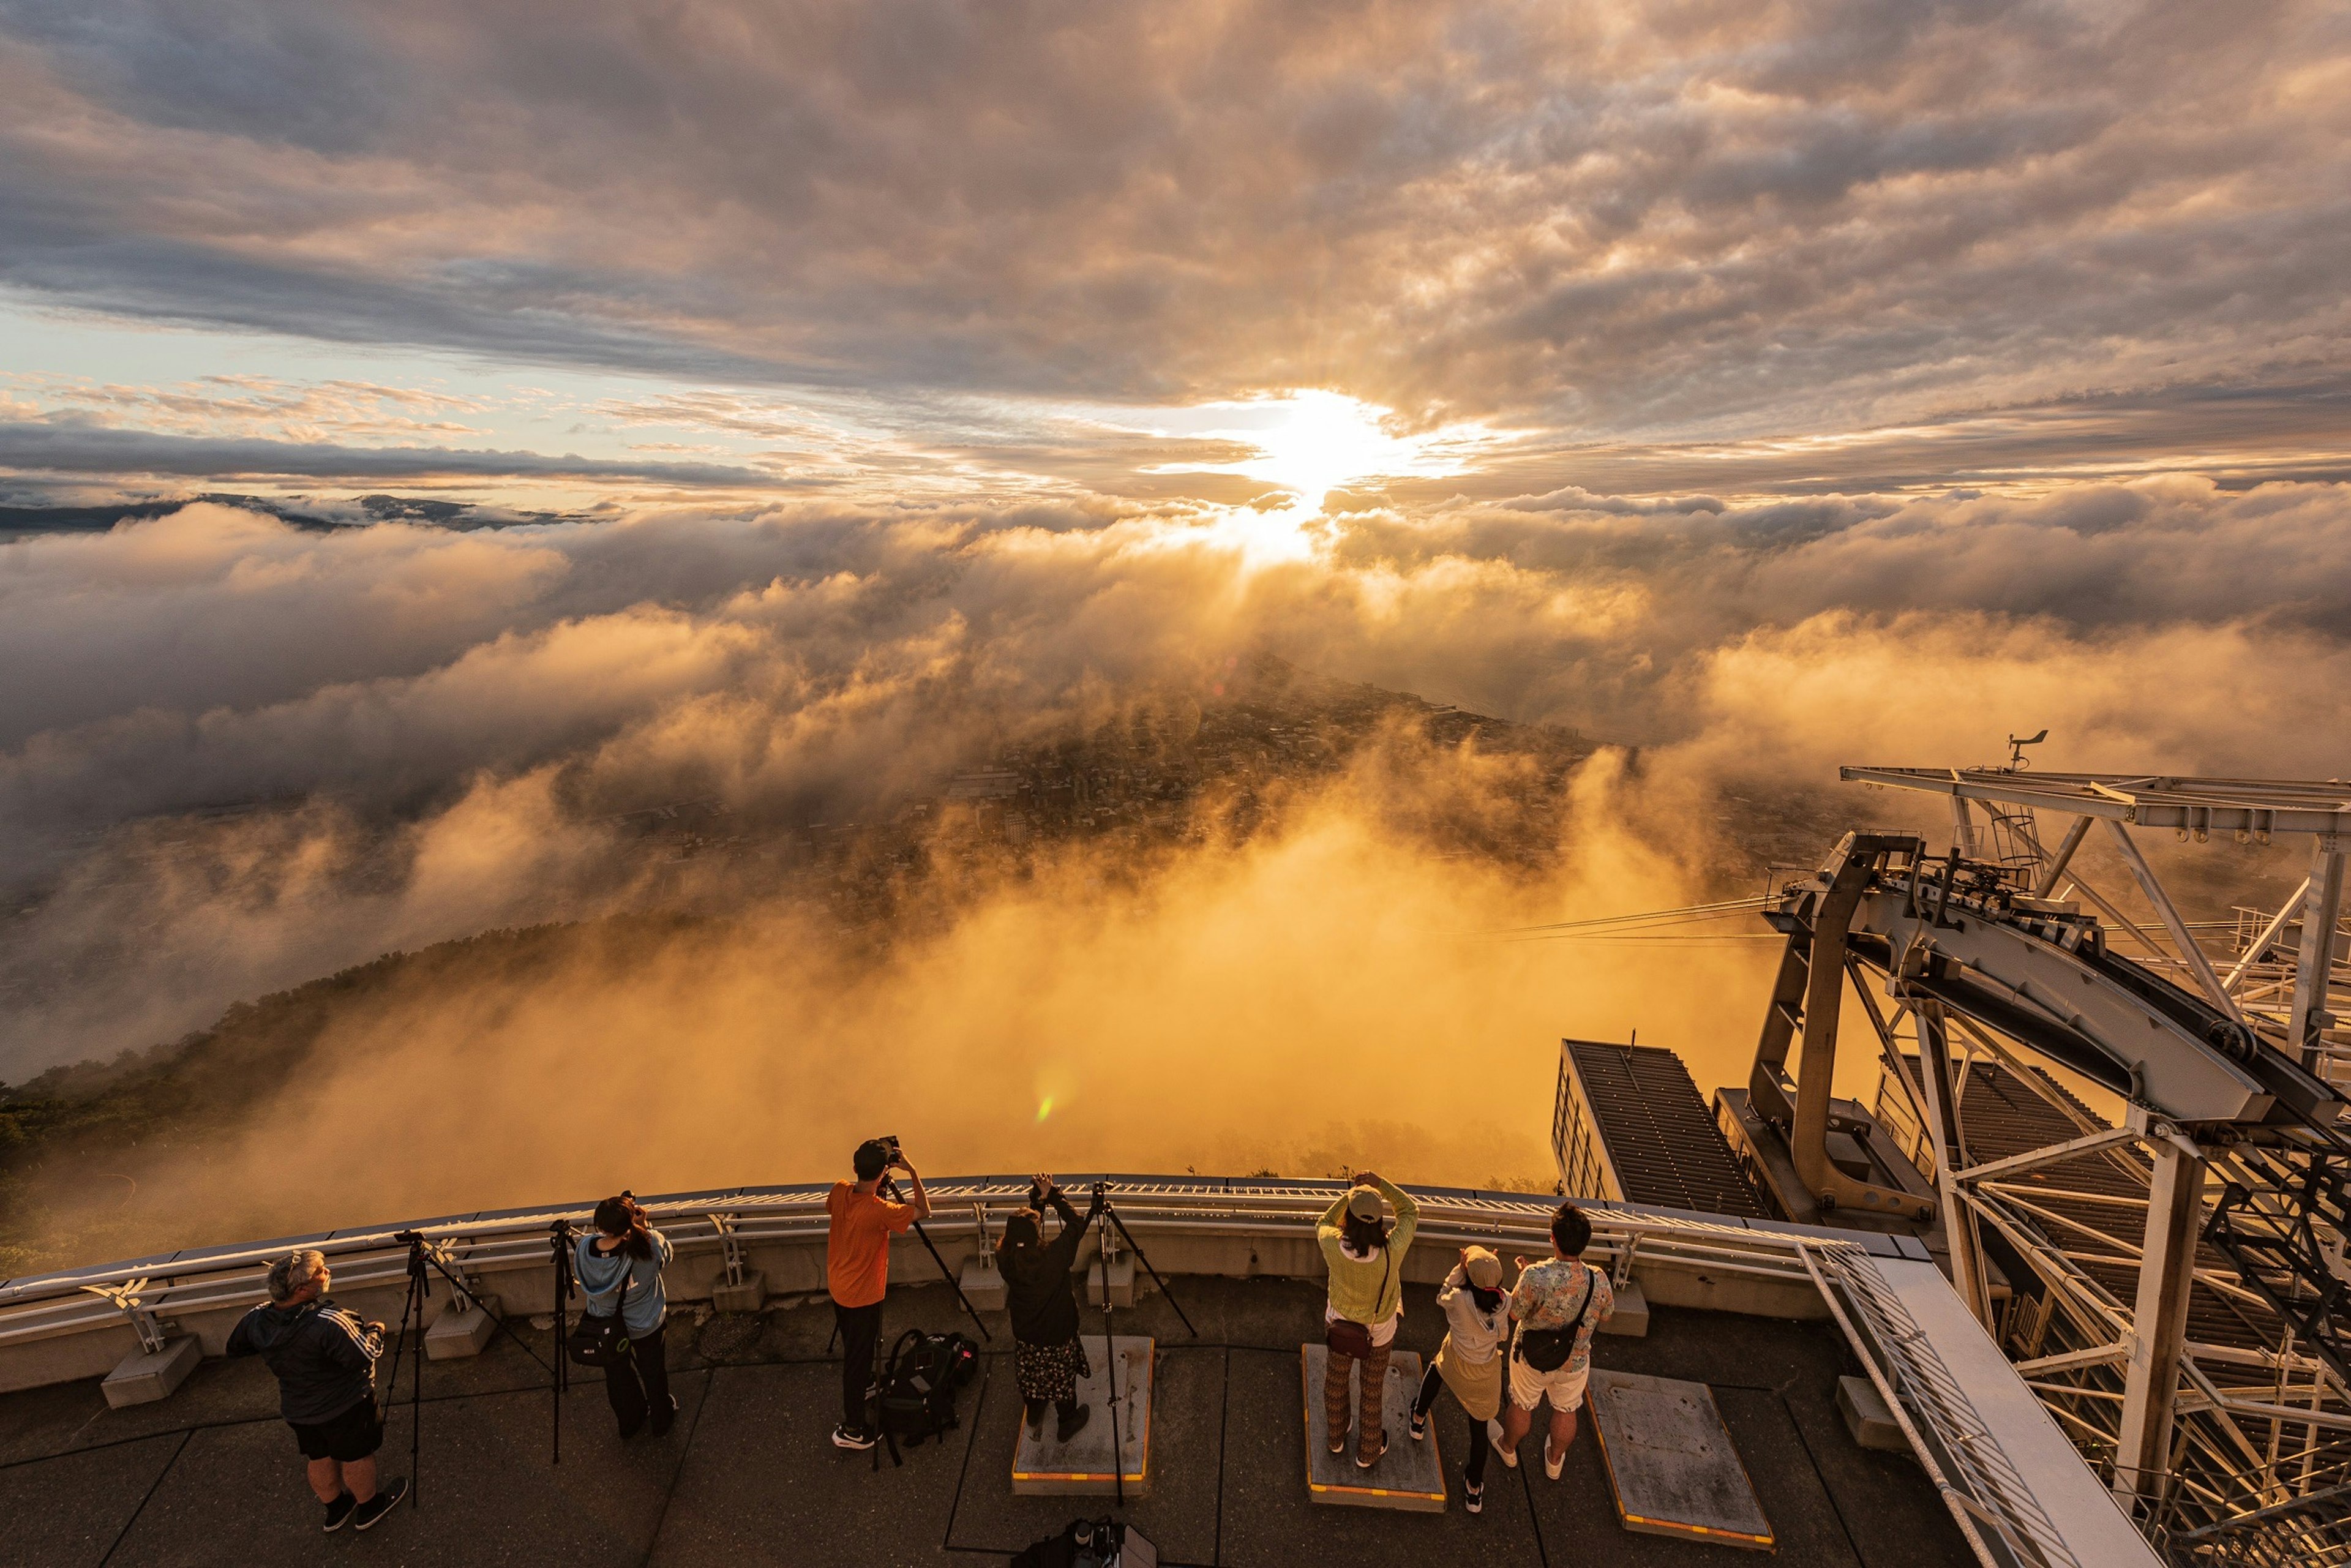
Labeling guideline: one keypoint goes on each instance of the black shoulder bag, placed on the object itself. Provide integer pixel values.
(1547, 1350)
(601, 1341)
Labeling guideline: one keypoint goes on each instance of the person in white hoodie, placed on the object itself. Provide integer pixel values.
(1476, 1318)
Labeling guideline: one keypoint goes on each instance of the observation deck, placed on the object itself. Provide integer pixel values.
(1771, 1317)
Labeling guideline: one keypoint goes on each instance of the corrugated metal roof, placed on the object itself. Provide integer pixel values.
(1660, 1136)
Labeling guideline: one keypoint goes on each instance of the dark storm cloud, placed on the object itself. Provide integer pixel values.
(68, 448)
(1707, 216)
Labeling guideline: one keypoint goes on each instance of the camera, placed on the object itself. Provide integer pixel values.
(889, 1142)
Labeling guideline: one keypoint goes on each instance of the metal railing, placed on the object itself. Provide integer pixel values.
(1991, 1504)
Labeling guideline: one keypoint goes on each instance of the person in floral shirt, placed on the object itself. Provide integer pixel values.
(1559, 1304)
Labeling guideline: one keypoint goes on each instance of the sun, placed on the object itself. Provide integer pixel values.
(1313, 441)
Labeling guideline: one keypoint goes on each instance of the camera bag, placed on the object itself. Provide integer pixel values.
(1547, 1350)
(920, 1381)
(599, 1340)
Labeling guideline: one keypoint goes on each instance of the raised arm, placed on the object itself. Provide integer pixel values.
(1407, 1212)
(921, 1204)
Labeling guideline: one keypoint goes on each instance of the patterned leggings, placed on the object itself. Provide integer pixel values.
(1336, 1375)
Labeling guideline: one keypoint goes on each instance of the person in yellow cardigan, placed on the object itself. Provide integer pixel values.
(1365, 1255)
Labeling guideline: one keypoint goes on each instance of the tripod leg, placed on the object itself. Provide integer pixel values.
(1109, 1373)
(1145, 1258)
(953, 1282)
(419, 1289)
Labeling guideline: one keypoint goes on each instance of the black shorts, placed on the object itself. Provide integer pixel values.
(356, 1434)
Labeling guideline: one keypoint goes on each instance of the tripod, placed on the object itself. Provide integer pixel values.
(1109, 1342)
(559, 1243)
(890, 1187)
(425, 1259)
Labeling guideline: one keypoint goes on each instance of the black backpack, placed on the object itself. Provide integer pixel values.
(919, 1384)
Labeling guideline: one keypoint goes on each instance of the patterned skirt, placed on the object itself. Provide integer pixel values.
(1050, 1372)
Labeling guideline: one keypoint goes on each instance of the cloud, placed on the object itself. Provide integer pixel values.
(61, 448)
(824, 662)
(1665, 219)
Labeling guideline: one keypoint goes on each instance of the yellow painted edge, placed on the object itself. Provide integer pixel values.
(1679, 1528)
(1676, 1526)
(1306, 1410)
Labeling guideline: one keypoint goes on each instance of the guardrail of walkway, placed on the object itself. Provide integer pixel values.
(91, 1298)
(41, 1306)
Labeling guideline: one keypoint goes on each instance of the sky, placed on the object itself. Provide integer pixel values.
(552, 259)
(819, 394)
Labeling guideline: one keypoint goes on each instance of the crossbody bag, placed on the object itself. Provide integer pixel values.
(1347, 1337)
(601, 1341)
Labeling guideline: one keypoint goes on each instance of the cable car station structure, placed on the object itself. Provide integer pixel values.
(2171, 1280)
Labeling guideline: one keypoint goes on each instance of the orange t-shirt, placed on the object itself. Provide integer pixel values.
(857, 1247)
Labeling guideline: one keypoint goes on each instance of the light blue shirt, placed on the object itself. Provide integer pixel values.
(599, 1280)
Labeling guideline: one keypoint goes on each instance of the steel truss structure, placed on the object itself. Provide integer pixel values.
(2178, 1296)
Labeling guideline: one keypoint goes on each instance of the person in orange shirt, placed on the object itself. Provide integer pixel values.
(857, 1272)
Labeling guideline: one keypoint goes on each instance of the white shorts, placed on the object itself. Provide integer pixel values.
(1564, 1388)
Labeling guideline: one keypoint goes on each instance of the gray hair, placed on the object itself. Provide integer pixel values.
(293, 1274)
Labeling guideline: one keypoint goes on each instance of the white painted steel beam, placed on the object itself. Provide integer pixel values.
(2322, 908)
(2158, 1333)
(2254, 806)
(2088, 1142)
(2278, 922)
(2054, 866)
(2200, 966)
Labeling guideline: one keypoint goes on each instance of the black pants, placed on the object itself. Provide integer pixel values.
(861, 1341)
(639, 1386)
(1473, 1470)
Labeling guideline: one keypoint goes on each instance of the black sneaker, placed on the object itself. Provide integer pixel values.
(1420, 1426)
(1065, 1430)
(1473, 1496)
(850, 1438)
(387, 1497)
(1364, 1464)
(339, 1512)
(664, 1416)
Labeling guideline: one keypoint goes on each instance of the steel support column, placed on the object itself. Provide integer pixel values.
(2159, 1321)
(1942, 1092)
(2322, 906)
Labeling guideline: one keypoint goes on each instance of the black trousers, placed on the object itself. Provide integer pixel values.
(1473, 1470)
(639, 1386)
(861, 1341)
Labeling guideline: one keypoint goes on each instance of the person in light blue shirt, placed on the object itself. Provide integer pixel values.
(620, 1269)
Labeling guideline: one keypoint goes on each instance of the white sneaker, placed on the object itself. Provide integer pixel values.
(1494, 1436)
(1552, 1466)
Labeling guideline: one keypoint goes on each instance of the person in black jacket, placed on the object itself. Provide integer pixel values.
(324, 1358)
(1046, 1358)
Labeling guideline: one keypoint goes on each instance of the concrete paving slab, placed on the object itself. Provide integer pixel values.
(487, 1493)
(1112, 1452)
(1180, 1514)
(1268, 1522)
(763, 1484)
(1409, 1476)
(65, 1513)
(1671, 1463)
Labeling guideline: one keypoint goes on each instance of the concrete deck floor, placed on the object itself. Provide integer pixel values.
(748, 1477)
